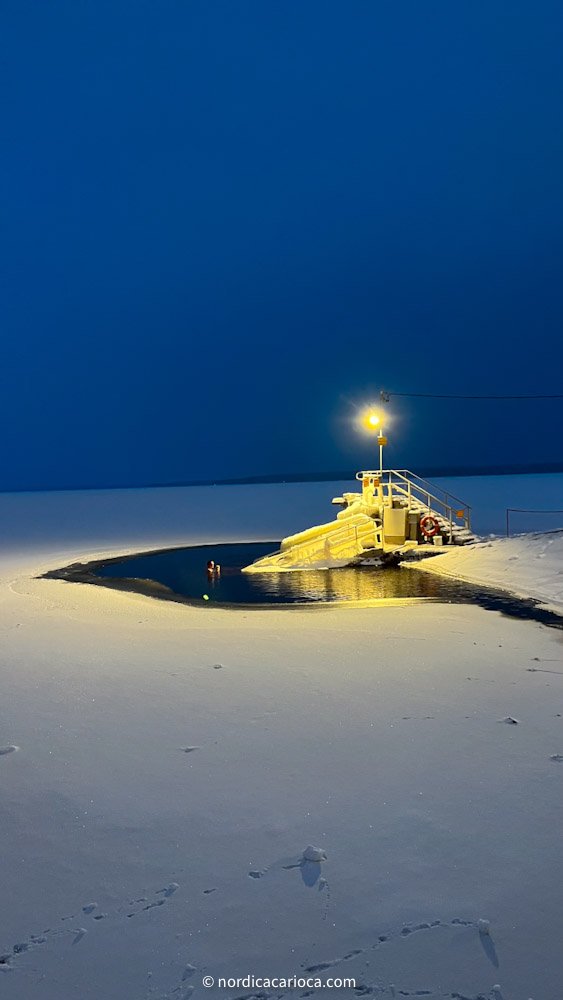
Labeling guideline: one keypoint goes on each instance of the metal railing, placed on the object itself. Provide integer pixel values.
(412, 487)
(359, 534)
(362, 537)
(523, 510)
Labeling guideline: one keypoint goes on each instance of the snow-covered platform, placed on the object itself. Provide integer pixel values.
(396, 512)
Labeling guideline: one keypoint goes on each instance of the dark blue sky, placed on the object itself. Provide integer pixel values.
(227, 223)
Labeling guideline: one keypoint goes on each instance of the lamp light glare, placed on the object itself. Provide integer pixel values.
(371, 420)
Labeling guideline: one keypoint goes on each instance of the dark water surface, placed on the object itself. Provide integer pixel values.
(184, 571)
(181, 574)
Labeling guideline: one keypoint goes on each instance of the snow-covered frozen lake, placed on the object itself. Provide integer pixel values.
(173, 763)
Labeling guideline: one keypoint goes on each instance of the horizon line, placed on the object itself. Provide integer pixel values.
(439, 472)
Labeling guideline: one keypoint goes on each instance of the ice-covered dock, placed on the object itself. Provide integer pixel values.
(395, 512)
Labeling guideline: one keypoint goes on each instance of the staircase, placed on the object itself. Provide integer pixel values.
(452, 533)
(369, 525)
(403, 488)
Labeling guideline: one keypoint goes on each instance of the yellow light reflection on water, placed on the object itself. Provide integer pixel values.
(346, 584)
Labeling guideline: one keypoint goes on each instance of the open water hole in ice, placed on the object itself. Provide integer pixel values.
(182, 574)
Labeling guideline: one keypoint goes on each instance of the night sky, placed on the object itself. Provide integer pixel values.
(227, 225)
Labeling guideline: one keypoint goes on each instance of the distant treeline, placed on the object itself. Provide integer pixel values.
(433, 472)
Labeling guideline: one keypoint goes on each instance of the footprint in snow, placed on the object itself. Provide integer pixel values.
(151, 906)
(6, 750)
(20, 948)
(558, 757)
(168, 890)
(188, 749)
(510, 721)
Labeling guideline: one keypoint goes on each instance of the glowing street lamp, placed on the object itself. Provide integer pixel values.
(373, 422)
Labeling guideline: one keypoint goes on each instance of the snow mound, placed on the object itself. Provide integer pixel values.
(314, 854)
(526, 565)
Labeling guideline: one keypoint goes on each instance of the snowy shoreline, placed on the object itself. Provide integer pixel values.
(165, 768)
(45, 531)
(528, 566)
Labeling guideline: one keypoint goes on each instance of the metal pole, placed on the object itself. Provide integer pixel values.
(508, 522)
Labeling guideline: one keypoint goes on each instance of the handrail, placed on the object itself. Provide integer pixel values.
(422, 486)
(340, 537)
(407, 474)
(525, 510)
(427, 483)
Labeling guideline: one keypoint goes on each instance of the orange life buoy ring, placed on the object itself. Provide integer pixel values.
(429, 525)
